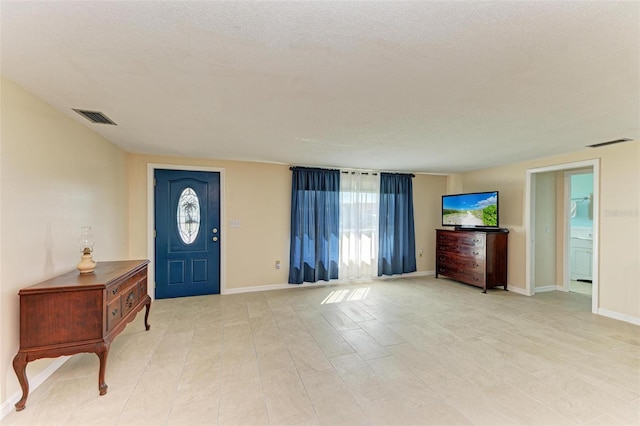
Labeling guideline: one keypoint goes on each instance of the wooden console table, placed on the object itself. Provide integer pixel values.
(75, 313)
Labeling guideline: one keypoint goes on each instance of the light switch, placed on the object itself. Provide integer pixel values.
(234, 223)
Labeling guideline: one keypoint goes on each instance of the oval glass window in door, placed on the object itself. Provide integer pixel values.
(188, 216)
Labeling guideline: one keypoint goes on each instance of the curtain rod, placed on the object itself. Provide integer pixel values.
(346, 172)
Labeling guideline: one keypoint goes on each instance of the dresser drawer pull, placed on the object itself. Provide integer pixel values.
(114, 291)
(442, 269)
(115, 312)
(443, 248)
(475, 240)
(442, 237)
(475, 253)
(442, 258)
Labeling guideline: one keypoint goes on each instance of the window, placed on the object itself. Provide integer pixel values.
(188, 216)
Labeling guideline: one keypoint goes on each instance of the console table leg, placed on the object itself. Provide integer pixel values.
(146, 314)
(102, 355)
(20, 367)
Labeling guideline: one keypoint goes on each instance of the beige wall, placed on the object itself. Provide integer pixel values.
(259, 196)
(619, 236)
(427, 193)
(56, 175)
(256, 194)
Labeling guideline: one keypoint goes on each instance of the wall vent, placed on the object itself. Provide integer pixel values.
(95, 116)
(598, 145)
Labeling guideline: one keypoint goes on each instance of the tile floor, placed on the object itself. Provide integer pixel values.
(581, 287)
(407, 351)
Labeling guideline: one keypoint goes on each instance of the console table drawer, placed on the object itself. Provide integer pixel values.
(130, 299)
(114, 313)
(115, 290)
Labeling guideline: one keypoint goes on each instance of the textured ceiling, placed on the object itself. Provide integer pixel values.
(417, 86)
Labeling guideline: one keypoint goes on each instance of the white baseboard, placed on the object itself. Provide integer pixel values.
(407, 275)
(518, 290)
(546, 288)
(270, 287)
(619, 316)
(37, 380)
(323, 283)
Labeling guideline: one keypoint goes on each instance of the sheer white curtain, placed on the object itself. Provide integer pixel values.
(359, 206)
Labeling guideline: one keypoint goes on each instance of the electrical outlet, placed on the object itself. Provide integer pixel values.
(277, 264)
(234, 223)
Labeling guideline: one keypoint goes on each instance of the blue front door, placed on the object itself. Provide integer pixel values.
(187, 224)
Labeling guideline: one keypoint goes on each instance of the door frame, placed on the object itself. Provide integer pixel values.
(151, 201)
(530, 218)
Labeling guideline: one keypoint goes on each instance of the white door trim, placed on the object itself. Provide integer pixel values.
(151, 245)
(530, 223)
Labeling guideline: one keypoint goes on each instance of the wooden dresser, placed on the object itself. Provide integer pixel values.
(75, 313)
(473, 257)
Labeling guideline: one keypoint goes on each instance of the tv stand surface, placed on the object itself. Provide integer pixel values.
(472, 256)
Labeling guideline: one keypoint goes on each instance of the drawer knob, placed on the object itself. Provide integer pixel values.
(114, 291)
(115, 312)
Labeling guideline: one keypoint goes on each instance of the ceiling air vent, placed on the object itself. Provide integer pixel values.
(95, 116)
(598, 145)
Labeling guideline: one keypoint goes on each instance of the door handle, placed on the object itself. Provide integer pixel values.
(215, 239)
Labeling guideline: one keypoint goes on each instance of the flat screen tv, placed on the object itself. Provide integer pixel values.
(471, 210)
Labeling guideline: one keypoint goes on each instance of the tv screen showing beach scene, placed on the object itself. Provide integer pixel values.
(470, 210)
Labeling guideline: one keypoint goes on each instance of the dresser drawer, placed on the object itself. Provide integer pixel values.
(460, 250)
(467, 277)
(461, 263)
(452, 237)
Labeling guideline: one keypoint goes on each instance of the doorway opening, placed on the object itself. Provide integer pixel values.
(579, 191)
(549, 228)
